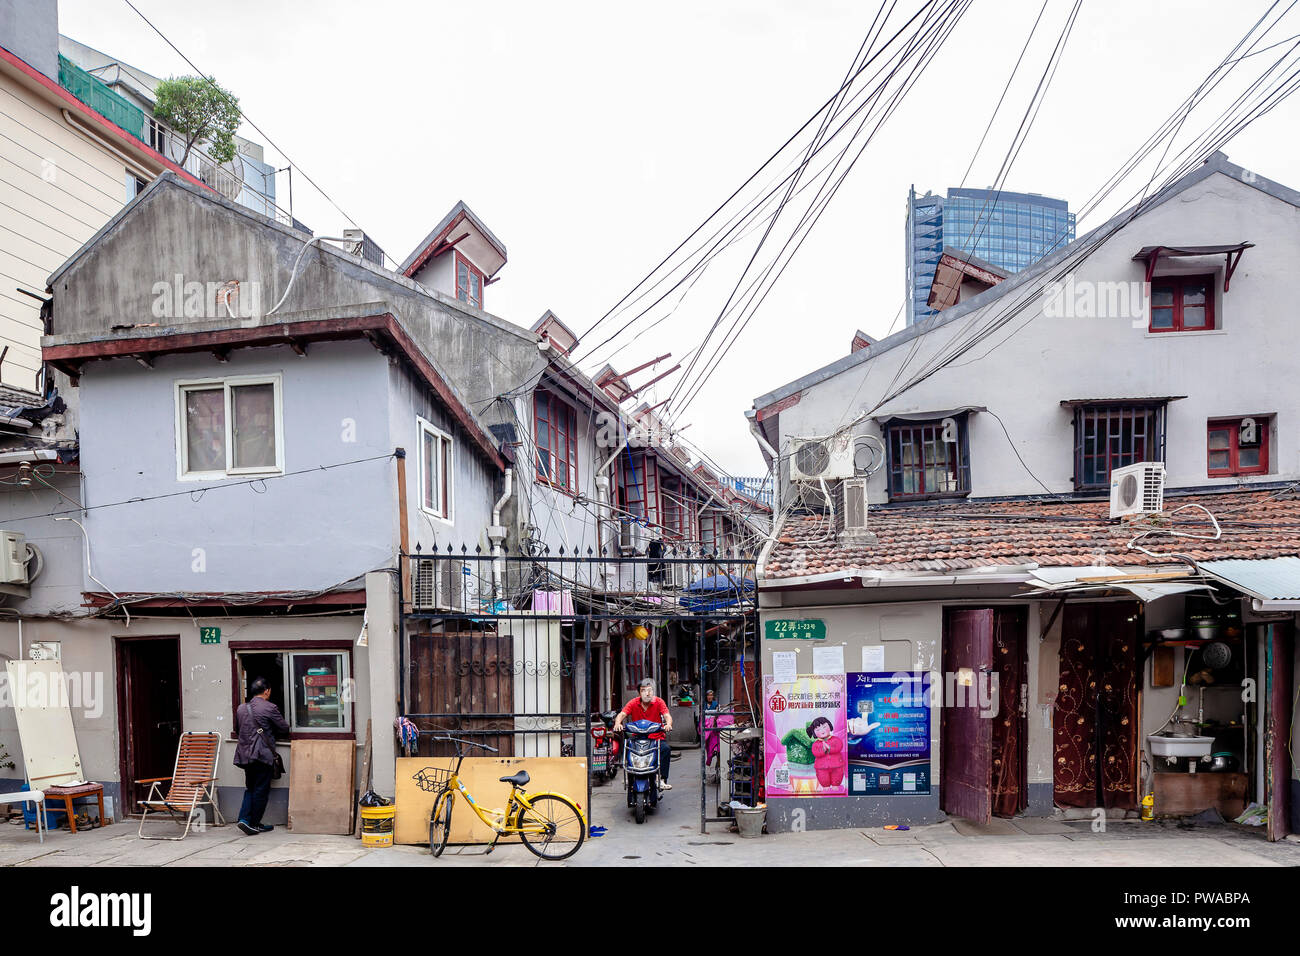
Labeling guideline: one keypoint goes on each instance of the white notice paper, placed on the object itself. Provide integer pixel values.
(828, 659)
(873, 658)
(785, 667)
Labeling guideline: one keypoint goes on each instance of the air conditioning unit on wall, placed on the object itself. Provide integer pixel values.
(633, 537)
(1137, 489)
(440, 584)
(13, 557)
(818, 459)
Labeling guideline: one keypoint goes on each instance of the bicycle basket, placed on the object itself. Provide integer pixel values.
(433, 779)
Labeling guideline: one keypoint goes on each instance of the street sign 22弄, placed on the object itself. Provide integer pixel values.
(806, 629)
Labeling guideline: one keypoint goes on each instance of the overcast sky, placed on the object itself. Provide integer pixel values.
(592, 137)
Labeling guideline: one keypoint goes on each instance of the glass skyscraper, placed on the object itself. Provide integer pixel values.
(1009, 230)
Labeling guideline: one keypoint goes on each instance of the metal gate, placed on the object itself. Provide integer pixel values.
(499, 648)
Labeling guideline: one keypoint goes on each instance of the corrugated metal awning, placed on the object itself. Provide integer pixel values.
(926, 416)
(1268, 579)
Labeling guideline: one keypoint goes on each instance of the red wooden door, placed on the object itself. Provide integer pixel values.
(1277, 732)
(149, 715)
(966, 732)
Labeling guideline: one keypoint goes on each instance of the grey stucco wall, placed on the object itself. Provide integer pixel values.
(58, 586)
(306, 532)
(912, 636)
(30, 30)
(476, 486)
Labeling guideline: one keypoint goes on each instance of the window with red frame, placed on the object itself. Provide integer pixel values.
(469, 282)
(927, 460)
(1182, 303)
(1237, 446)
(555, 425)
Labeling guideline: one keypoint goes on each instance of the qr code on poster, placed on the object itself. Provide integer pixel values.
(781, 777)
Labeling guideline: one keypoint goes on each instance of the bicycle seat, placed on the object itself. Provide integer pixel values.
(518, 780)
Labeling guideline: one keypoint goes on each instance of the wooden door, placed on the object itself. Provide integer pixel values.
(966, 769)
(465, 681)
(1277, 731)
(149, 712)
(1094, 726)
(1010, 726)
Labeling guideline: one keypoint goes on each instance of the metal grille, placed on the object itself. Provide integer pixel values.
(1107, 437)
(923, 465)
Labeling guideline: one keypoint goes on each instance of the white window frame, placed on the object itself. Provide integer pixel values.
(423, 427)
(182, 443)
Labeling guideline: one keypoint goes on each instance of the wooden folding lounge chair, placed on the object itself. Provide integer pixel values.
(193, 784)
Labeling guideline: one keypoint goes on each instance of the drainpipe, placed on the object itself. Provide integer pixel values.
(91, 574)
(761, 565)
(776, 474)
(497, 535)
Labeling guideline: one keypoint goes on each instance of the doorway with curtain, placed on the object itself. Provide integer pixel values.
(984, 759)
(1095, 723)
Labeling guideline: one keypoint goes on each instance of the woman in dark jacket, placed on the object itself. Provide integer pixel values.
(257, 723)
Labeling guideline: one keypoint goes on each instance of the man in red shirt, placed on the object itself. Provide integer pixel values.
(649, 707)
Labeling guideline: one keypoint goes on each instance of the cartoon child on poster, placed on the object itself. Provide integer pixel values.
(805, 731)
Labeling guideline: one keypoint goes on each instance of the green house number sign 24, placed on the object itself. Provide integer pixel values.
(807, 629)
(209, 635)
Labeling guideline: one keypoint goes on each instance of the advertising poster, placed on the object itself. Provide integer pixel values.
(888, 733)
(805, 743)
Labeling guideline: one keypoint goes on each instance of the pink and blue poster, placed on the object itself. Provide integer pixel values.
(805, 745)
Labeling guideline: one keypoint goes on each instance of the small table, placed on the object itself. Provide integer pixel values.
(68, 794)
(29, 796)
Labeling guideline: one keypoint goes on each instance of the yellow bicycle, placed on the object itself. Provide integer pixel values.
(550, 824)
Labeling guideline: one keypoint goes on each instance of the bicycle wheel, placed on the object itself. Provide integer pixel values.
(560, 823)
(440, 823)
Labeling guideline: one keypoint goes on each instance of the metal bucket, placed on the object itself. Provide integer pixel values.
(750, 822)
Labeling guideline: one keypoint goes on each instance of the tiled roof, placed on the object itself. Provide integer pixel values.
(973, 534)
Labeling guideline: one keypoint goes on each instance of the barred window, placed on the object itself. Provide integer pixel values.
(1107, 437)
(928, 459)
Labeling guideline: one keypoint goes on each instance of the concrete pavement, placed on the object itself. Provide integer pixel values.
(671, 837)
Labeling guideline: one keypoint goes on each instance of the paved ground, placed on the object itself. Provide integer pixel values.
(671, 837)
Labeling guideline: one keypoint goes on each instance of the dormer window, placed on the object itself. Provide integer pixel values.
(1182, 303)
(469, 282)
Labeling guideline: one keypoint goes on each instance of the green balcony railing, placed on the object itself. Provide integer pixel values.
(96, 94)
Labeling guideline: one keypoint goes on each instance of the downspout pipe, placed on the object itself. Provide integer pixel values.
(497, 535)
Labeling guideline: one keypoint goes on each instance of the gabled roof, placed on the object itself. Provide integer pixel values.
(1217, 163)
(441, 234)
(375, 320)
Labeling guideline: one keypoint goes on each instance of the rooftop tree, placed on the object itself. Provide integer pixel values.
(201, 111)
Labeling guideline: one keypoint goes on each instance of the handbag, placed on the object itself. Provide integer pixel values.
(277, 767)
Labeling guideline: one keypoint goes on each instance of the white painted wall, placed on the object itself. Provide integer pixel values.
(1246, 366)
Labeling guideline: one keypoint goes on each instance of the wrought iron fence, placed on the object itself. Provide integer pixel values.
(500, 646)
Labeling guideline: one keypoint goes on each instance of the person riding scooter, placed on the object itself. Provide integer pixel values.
(649, 707)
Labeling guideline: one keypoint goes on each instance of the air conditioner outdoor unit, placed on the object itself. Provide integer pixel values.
(633, 538)
(439, 585)
(826, 459)
(1137, 489)
(855, 505)
(13, 557)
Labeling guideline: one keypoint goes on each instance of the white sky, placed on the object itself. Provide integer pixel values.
(592, 137)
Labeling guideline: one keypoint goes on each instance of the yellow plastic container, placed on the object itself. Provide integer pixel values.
(1149, 807)
(377, 825)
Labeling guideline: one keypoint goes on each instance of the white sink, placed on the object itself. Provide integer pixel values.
(1181, 746)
